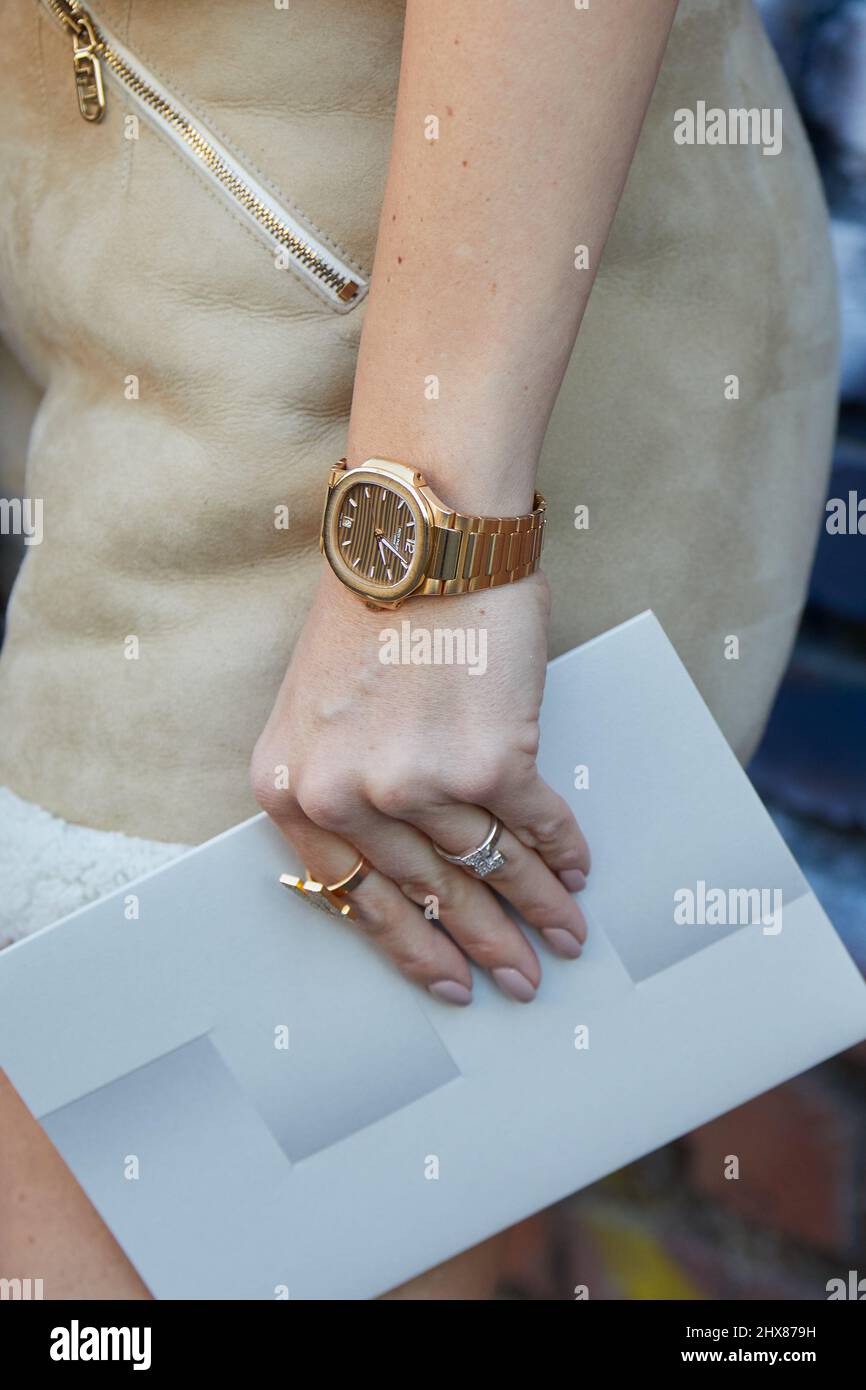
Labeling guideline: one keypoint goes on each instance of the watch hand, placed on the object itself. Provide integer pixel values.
(390, 547)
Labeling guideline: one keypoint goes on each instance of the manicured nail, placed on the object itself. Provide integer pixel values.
(562, 942)
(451, 991)
(573, 879)
(581, 930)
(512, 983)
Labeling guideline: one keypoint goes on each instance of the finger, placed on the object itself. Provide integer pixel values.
(465, 907)
(524, 879)
(543, 821)
(381, 911)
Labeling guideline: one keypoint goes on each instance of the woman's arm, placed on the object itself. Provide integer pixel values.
(536, 109)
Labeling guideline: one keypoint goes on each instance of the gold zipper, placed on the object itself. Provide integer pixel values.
(91, 49)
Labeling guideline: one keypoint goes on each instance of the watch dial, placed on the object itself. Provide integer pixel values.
(376, 534)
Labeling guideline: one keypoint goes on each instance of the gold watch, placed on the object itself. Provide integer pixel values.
(388, 537)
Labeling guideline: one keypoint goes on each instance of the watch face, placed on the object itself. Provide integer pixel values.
(376, 534)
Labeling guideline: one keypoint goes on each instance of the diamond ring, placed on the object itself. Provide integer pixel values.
(485, 858)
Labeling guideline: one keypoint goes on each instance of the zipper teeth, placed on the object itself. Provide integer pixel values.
(345, 288)
(60, 12)
(233, 184)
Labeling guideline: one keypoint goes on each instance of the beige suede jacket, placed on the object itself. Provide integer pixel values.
(184, 282)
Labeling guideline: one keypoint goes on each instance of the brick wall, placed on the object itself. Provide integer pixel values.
(675, 1226)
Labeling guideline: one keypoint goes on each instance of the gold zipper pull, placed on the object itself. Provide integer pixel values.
(88, 67)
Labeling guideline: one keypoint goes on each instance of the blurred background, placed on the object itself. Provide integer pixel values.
(671, 1226)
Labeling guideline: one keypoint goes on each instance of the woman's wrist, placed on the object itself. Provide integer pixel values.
(477, 478)
(350, 616)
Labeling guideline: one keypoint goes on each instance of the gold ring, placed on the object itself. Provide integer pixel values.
(352, 879)
(328, 897)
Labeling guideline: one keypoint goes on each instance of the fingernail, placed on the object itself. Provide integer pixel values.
(581, 930)
(512, 983)
(562, 942)
(451, 991)
(573, 879)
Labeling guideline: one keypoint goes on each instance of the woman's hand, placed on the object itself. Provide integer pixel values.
(383, 759)
(476, 292)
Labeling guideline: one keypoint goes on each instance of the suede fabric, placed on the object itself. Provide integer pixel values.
(117, 259)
